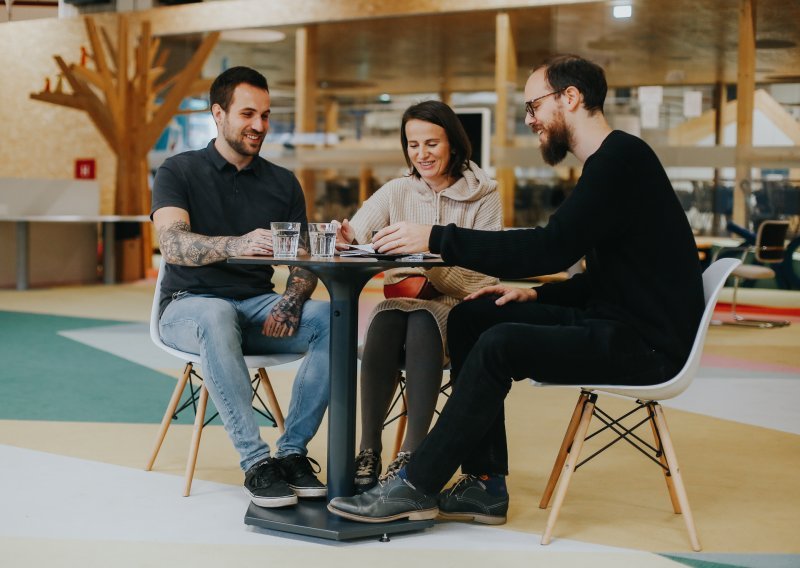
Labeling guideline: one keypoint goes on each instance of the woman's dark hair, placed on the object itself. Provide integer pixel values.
(436, 112)
(564, 71)
(223, 86)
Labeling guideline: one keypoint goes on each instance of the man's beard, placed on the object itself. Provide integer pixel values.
(239, 144)
(558, 143)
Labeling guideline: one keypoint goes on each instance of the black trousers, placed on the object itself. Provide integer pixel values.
(491, 346)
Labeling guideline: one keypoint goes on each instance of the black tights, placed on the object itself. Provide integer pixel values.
(393, 334)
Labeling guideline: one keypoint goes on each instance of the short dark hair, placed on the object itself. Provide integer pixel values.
(226, 82)
(564, 71)
(436, 112)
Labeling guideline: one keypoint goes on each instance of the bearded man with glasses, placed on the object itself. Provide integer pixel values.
(629, 319)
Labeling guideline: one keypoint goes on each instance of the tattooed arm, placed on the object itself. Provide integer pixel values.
(285, 317)
(180, 246)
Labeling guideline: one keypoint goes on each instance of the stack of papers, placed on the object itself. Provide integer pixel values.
(369, 252)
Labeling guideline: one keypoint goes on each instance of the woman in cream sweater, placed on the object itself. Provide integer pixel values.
(443, 186)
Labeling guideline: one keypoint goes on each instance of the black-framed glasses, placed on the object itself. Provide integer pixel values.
(530, 109)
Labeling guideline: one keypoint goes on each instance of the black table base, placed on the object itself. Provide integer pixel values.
(311, 518)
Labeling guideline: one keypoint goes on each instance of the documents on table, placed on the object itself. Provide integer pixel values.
(369, 251)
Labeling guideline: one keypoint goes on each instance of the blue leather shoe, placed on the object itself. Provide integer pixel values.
(392, 499)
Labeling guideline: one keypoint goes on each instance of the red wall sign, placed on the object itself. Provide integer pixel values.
(85, 169)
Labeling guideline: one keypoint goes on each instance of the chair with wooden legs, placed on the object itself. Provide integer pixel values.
(198, 396)
(646, 397)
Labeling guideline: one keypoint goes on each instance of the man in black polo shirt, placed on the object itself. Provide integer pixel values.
(212, 204)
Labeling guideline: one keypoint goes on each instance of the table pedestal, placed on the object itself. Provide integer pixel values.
(311, 518)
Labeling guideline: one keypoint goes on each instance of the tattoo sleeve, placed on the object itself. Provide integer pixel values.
(180, 246)
(299, 286)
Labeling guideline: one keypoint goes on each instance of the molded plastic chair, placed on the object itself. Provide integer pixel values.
(769, 248)
(646, 398)
(198, 397)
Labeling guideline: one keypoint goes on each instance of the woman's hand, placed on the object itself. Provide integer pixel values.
(507, 294)
(345, 234)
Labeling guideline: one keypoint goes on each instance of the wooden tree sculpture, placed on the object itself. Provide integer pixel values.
(120, 96)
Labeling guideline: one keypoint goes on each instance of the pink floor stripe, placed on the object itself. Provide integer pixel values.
(723, 362)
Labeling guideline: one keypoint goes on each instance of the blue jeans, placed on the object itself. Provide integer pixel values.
(221, 331)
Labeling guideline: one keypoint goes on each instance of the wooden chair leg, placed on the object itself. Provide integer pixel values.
(401, 428)
(676, 506)
(168, 414)
(195, 444)
(569, 468)
(677, 479)
(558, 466)
(274, 407)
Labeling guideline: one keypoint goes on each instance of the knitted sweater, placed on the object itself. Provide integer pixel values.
(641, 258)
(472, 201)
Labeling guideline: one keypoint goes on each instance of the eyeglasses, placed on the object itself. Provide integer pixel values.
(530, 109)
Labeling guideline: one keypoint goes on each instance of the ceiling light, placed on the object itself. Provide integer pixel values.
(623, 11)
(252, 35)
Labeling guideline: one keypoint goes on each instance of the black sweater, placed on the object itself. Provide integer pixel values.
(624, 217)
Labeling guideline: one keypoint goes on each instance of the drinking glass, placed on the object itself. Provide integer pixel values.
(323, 239)
(285, 237)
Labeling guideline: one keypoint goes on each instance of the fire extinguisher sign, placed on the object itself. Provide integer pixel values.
(85, 168)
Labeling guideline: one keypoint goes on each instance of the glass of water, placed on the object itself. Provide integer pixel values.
(285, 237)
(322, 237)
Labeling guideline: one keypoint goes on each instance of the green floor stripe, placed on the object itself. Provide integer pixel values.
(44, 376)
(727, 560)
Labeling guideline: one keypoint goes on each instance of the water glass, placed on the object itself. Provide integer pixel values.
(285, 237)
(322, 237)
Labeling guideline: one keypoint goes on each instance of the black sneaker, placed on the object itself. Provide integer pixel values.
(468, 500)
(393, 498)
(368, 467)
(266, 487)
(299, 474)
(397, 464)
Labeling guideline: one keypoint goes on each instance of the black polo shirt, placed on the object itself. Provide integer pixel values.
(223, 201)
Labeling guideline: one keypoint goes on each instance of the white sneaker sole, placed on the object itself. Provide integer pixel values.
(271, 502)
(309, 491)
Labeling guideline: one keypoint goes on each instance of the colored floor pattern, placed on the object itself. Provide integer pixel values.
(82, 389)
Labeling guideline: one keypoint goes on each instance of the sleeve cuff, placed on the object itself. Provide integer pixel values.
(435, 240)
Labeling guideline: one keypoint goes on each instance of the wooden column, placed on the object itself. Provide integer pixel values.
(505, 75)
(745, 89)
(720, 98)
(305, 104)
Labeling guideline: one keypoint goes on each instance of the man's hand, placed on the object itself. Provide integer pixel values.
(284, 318)
(258, 242)
(507, 294)
(402, 238)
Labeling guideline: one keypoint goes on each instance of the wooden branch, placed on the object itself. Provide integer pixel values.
(61, 99)
(163, 85)
(102, 67)
(161, 60)
(181, 88)
(112, 51)
(89, 76)
(93, 105)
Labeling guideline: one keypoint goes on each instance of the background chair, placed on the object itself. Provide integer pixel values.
(769, 249)
(646, 398)
(198, 397)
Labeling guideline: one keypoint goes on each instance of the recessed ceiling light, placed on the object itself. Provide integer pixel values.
(622, 11)
(252, 35)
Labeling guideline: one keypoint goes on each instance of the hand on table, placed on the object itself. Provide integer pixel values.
(402, 238)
